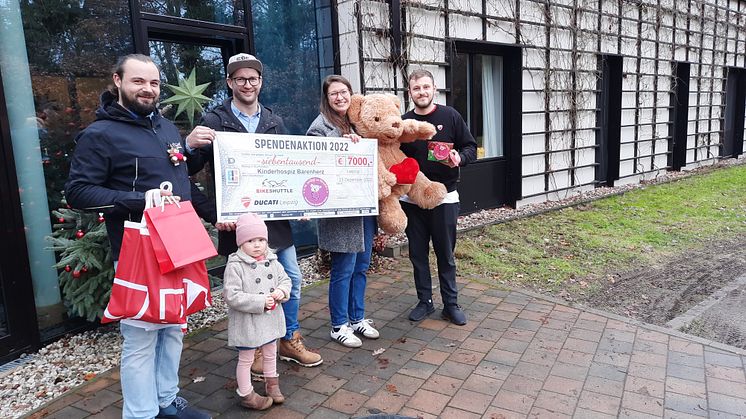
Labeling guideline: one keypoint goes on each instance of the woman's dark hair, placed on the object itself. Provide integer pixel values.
(119, 68)
(341, 122)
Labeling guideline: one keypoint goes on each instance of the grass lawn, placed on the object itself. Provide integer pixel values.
(574, 246)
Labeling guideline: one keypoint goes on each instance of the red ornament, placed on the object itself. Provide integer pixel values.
(68, 268)
(84, 269)
(100, 218)
(61, 220)
(79, 234)
(76, 274)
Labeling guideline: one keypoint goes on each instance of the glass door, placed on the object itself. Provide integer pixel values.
(203, 58)
(177, 61)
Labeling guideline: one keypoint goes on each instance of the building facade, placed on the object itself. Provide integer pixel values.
(562, 96)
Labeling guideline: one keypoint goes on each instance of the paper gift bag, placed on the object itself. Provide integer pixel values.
(141, 292)
(178, 236)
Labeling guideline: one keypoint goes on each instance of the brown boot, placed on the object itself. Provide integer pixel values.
(255, 401)
(294, 350)
(257, 368)
(272, 385)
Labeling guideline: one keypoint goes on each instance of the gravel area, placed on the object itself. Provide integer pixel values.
(75, 359)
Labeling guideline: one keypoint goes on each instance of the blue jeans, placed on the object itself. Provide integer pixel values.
(289, 260)
(150, 369)
(348, 277)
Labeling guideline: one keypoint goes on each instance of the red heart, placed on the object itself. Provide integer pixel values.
(406, 171)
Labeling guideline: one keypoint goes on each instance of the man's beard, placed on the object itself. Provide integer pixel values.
(237, 96)
(136, 107)
(426, 105)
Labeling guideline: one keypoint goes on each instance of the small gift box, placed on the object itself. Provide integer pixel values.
(438, 151)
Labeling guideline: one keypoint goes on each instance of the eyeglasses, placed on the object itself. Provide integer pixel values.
(338, 93)
(254, 81)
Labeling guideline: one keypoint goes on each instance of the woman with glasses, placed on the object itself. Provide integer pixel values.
(348, 239)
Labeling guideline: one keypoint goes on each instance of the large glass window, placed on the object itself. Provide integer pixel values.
(477, 95)
(285, 39)
(229, 12)
(71, 48)
(285, 42)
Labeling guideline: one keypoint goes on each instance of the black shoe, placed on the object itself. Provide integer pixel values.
(180, 409)
(422, 310)
(454, 314)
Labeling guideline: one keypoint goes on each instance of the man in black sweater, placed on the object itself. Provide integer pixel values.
(439, 223)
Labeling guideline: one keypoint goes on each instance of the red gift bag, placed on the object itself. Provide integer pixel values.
(178, 236)
(141, 292)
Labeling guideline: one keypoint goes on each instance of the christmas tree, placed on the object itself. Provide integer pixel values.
(85, 263)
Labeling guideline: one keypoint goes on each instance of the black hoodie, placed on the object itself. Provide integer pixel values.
(119, 157)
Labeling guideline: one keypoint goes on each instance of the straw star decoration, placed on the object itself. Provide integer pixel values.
(188, 96)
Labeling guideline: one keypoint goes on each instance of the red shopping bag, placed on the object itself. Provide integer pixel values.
(178, 236)
(141, 292)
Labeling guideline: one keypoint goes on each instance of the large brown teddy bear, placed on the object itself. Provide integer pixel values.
(379, 116)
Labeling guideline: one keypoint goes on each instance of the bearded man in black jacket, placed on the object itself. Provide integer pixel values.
(125, 152)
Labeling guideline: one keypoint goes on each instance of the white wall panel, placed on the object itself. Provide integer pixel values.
(501, 31)
(501, 8)
(426, 22)
(465, 27)
(465, 5)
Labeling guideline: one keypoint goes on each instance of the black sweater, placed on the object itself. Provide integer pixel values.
(451, 128)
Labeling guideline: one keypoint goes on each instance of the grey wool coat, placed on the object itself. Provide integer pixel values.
(246, 282)
(344, 235)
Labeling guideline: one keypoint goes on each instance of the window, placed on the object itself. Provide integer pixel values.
(229, 12)
(70, 52)
(478, 96)
(285, 39)
(177, 60)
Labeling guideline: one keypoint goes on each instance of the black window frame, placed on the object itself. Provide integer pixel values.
(150, 26)
(512, 106)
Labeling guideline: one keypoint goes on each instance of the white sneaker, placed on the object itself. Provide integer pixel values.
(365, 328)
(346, 337)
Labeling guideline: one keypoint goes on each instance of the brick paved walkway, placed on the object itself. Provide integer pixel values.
(519, 356)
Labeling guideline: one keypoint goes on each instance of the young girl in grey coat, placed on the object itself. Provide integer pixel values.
(254, 286)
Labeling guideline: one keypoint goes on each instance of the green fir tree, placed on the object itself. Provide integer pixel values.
(85, 262)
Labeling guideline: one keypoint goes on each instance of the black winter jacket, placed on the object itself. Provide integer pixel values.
(222, 119)
(117, 158)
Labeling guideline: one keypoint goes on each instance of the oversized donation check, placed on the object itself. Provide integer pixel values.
(290, 176)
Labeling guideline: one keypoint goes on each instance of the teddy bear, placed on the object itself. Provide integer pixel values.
(379, 116)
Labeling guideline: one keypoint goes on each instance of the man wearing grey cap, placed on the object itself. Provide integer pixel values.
(244, 113)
